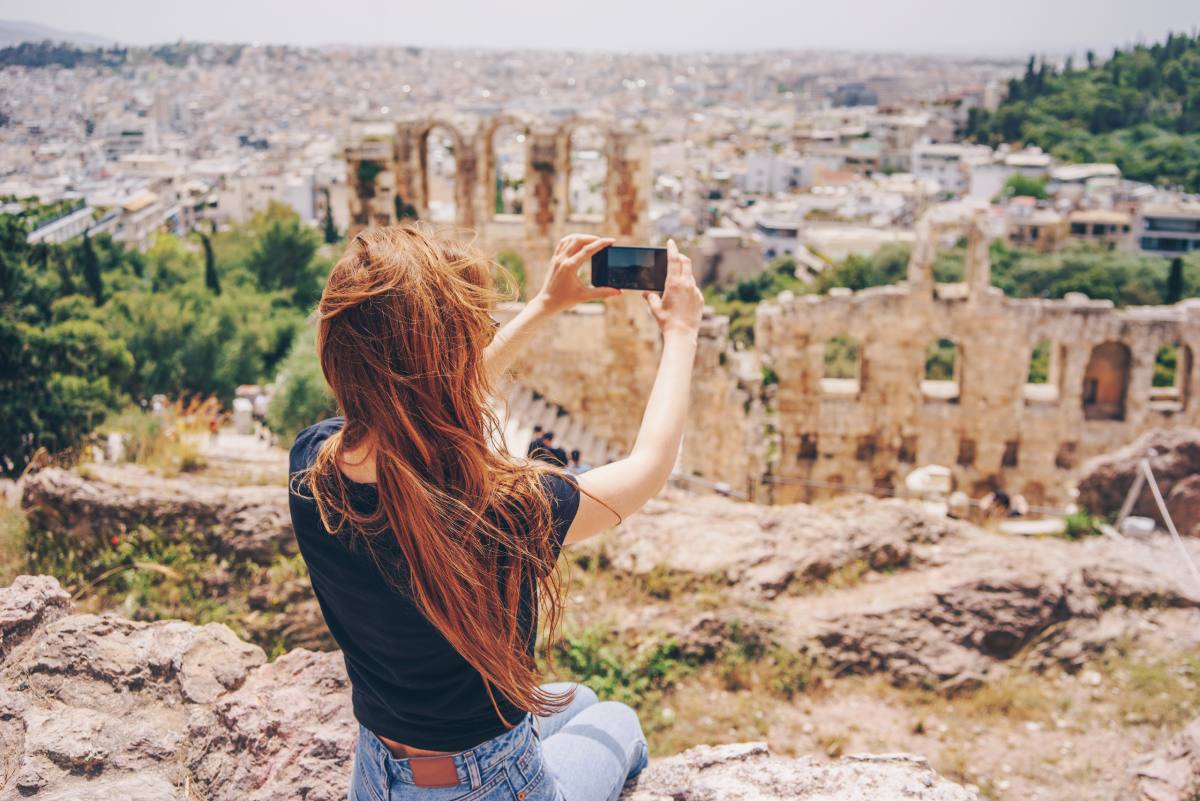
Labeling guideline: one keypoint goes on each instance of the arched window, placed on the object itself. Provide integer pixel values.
(941, 380)
(440, 175)
(1042, 378)
(587, 174)
(508, 171)
(842, 373)
(1106, 382)
(1171, 378)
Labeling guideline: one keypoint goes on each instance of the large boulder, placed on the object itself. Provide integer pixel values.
(101, 708)
(1106, 479)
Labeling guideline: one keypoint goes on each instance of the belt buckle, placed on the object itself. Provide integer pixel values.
(436, 771)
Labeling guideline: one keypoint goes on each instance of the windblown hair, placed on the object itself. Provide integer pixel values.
(403, 323)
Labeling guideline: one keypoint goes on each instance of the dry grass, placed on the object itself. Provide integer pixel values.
(14, 528)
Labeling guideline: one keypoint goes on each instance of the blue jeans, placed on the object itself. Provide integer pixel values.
(584, 753)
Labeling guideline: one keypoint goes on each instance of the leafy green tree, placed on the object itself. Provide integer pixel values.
(1020, 185)
(282, 257)
(156, 325)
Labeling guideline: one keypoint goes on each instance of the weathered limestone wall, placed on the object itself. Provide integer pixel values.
(598, 362)
(988, 426)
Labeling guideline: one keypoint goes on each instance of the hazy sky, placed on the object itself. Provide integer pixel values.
(959, 26)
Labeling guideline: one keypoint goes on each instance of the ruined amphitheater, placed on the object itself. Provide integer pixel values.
(811, 434)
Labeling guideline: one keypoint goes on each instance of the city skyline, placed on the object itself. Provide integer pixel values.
(933, 26)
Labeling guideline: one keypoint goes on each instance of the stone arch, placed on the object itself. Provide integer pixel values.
(585, 144)
(453, 209)
(1171, 377)
(943, 370)
(841, 372)
(501, 199)
(1106, 382)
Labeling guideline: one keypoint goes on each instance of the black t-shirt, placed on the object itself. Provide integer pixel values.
(409, 684)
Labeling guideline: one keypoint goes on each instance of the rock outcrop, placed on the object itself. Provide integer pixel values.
(1106, 479)
(765, 550)
(952, 638)
(249, 522)
(101, 708)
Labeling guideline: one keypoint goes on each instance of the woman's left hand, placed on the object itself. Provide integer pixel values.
(564, 288)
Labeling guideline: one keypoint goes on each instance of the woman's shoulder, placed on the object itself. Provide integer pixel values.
(309, 441)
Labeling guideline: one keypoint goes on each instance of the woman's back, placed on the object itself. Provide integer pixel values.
(409, 683)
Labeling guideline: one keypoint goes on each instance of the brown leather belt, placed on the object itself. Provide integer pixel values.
(429, 768)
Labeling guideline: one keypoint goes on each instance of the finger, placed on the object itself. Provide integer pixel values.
(674, 268)
(591, 249)
(654, 302)
(578, 241)
(687, 268)
(600, 292)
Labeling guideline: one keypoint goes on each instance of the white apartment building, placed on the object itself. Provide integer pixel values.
(987, 179)
(243, 195)
(948, 164)
(771, 173)
(63, 229)
(1169, 230)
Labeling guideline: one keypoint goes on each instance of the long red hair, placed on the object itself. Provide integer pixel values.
(403, 323)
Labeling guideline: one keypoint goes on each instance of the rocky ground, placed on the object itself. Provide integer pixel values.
(108, 709)
(1020, 667)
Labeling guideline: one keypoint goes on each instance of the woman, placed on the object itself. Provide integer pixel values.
(431, 550)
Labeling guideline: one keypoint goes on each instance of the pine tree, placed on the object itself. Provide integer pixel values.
(90, 265)
(1175, 281)
(212, 279)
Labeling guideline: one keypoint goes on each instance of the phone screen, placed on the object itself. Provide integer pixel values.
(630, 268)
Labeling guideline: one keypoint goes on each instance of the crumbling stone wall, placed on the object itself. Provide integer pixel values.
(988, 425)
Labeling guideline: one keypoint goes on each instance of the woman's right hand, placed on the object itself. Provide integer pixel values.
(679, 308)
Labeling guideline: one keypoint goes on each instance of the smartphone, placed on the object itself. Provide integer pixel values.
(630, 268)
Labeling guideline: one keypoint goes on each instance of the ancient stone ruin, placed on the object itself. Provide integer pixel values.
(390, 179)
(981, 417)
(845, 391)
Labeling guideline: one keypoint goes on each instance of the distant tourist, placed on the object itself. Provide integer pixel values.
(535, 444)
(576, 467)
(549, 452)
(425, 582)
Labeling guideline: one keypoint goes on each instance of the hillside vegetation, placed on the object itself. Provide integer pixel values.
(1139, 110)
(90, 326)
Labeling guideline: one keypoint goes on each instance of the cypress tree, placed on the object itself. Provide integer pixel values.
(90, 264)
(331, 232)
(211, 279)
(1175, 281)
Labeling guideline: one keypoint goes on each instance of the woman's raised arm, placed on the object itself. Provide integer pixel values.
(562, 290)
(626, 485)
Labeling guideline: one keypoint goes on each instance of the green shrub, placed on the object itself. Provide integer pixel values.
(1082, 524)
(301, 397)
